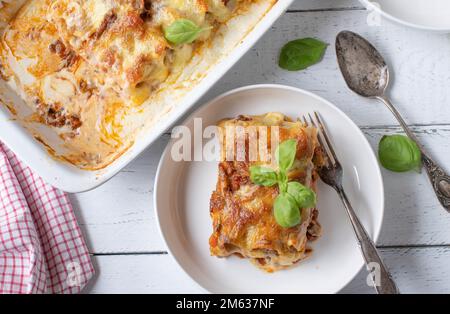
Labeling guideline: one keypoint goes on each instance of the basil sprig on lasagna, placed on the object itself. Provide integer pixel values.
(292, 195)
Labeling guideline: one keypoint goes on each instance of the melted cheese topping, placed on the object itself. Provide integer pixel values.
(84, 65)
(242, 212)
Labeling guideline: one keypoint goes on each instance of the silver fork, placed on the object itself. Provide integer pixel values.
(331, 174)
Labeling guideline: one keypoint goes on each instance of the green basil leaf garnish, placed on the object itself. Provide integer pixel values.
(263, 176)
(304, 196)
(301, 53)
(292, 195)
(182, 31)
(399, 153)
(286, 211)
(282, 181)
(285, 154)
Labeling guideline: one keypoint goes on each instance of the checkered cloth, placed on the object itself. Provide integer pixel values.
(41, 246)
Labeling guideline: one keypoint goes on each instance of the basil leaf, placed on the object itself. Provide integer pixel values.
(399, 153)
(282, 181)
(263, 176)
(301, 53)
(182, 31)
(304, 196)
(286, 211)
(285, 154)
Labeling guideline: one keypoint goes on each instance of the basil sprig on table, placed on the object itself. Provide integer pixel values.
(183, 31)
(399, 153)
(300, 54)
(293, 195)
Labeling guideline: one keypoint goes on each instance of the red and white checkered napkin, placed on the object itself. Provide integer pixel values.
(41, 246)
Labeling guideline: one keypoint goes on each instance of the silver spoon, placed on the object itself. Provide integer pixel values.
(367, 74)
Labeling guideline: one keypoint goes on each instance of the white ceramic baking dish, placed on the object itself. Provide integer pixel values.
(17, 135)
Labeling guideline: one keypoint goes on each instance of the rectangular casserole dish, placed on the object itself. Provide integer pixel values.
(36, 144)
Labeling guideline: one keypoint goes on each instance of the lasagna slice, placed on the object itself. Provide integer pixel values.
(242, 212)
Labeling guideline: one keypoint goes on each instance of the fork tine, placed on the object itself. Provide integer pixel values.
(312, 121)
(305, 122)
(321, 142)
(325, 134)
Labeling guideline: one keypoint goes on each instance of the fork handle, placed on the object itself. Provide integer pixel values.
(370, 253)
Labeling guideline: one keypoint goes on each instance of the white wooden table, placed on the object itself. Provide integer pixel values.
(118, 218)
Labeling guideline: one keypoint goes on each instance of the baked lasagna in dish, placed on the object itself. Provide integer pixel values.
(94, 70)
(243, 213)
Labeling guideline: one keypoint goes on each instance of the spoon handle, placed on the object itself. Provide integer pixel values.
(399, 118)
(440, 180)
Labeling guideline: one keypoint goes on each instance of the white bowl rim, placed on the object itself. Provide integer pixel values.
(377, 229)
(370, 5)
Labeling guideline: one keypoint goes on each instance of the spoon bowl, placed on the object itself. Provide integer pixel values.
(364, 69)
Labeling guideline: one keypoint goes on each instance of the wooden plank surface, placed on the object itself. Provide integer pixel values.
(325, 5)
(118, 218)
(418, 60)
(414, 271)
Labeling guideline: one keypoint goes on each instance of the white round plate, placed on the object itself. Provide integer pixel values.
(430, 15)
(183, 189)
